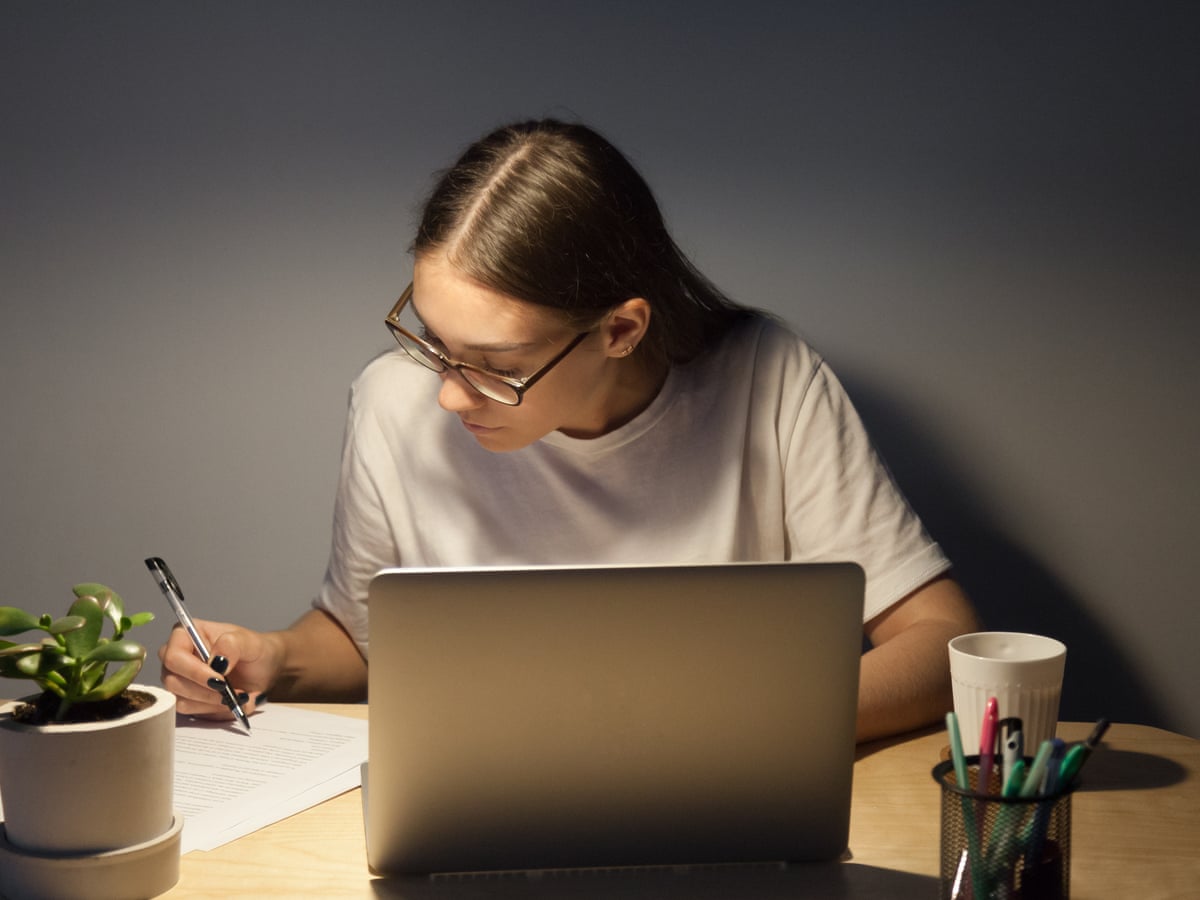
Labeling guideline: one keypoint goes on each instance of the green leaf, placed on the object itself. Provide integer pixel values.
(10, 649)
(16, 621)
(81, 641)
(30, 665)
(8, 669)
(114, 684)
(116, 651)
(141, 618)
(66, 623)
(110, 602)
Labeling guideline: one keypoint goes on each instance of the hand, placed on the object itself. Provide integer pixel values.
(246, 658)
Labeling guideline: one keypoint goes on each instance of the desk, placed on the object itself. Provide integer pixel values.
(1135, 821)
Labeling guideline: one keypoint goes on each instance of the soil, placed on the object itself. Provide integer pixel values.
(41, 710)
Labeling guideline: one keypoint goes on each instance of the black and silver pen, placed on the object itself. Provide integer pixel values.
(170, 589)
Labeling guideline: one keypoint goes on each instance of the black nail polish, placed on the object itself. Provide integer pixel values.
(219, 664)
(216, 684)
(243, 697)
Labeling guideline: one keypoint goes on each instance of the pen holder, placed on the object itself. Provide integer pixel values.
(996, 848)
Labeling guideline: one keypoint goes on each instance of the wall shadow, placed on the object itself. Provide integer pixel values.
(1012, 590)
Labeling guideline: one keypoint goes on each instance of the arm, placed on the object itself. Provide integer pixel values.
(313, 660)
(319, 662)
(904, 682)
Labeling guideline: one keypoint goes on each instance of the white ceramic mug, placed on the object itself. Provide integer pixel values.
(1024, 672)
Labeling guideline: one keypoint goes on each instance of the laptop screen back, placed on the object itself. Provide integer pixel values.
(611, 716)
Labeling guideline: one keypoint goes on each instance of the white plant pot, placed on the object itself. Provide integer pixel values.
(89, 806)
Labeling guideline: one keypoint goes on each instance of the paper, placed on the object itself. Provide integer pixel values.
(229, 783)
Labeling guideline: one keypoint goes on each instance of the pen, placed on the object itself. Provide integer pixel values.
(1079, 753)
(1012, 745)
(1037, 771)
(974, 859)
(1034, 836)
(170, 588)
(987, 746)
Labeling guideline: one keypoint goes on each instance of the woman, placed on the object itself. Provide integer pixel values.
(609, 405)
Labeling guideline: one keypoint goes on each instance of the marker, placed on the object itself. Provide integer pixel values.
(1034, 836)
(170, 588)
(974, 858)
(1079, 753)
(1037, 771)
(987, 745)
(1015, 780)
(1011, 727)
(956, 752)
(1014, 750)
(1052, 777)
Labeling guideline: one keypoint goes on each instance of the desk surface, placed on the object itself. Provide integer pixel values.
(1135, 821)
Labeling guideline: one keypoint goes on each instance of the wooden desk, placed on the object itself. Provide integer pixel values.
(1135, 823)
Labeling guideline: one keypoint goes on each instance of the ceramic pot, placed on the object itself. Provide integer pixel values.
(89, 798)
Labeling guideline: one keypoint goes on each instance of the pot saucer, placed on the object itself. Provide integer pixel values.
(143, 870)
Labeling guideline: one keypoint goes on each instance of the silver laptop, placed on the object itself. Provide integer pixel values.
(544, 718)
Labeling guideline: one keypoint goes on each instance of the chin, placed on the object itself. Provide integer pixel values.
(502, 442)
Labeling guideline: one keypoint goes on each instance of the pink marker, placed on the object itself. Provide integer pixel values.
(987, 745)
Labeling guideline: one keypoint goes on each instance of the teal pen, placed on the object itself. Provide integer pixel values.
(1072, 763)
(1015, 780)
(956, 751)
(1034, 837)
(1079, 754)
(1052, 777)
(1037, 771)
(974, 857)
(1003, 849)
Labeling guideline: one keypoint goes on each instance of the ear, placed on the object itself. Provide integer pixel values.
(625, 327)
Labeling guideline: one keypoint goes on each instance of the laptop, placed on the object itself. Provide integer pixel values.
(561, 717)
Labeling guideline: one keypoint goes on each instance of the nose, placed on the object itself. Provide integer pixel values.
(456, 395)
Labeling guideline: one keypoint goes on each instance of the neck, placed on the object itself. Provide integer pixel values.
(636, 383)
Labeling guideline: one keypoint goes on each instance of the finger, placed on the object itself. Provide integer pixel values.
(194, 700)
(178, 657)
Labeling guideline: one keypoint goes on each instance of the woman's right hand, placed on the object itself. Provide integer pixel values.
(248, 659)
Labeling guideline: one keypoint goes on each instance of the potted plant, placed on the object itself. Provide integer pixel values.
(87, 765)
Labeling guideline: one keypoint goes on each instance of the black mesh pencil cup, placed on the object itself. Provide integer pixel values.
(996, 848)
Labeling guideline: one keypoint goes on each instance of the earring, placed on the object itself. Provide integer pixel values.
(627, 350)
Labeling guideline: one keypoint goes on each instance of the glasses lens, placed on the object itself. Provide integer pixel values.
(492, 388)
(418, 351)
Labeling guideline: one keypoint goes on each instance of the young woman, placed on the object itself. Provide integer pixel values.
(601, 402)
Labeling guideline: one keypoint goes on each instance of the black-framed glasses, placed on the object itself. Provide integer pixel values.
(500, 388)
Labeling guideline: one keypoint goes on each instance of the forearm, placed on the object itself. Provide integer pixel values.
(318, 662)
(904, 680)
(904, 684)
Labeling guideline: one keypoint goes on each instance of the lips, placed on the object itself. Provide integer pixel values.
(475, 428)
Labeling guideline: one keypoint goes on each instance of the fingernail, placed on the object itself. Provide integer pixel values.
(219, 664)
(216, 684)
(260, 699)
(243, 697)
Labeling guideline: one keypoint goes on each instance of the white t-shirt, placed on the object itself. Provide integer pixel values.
(752, 452)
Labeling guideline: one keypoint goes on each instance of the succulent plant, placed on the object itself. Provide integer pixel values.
(72, 661)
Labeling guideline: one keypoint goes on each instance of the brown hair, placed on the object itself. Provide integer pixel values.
(553, 214)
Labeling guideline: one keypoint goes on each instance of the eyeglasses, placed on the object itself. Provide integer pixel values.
(500, 388)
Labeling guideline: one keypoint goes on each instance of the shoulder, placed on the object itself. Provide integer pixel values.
(767, 349)
(389, 381)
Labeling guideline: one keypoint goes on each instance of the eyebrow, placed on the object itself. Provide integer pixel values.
(499, 347)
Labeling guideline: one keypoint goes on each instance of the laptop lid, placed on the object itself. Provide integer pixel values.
(610, 716)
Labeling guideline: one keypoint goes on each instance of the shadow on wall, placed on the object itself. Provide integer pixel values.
(1011, 590)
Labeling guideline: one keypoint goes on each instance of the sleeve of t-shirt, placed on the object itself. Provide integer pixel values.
(841, 501)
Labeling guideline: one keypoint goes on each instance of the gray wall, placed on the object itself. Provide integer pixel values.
(987, 220)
